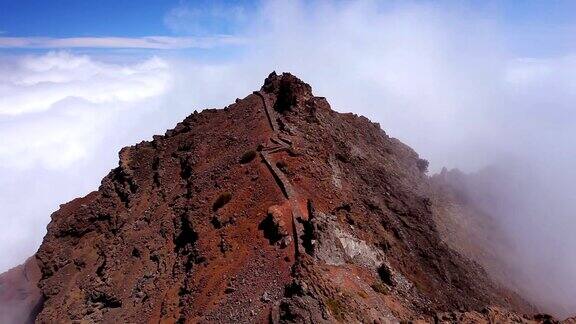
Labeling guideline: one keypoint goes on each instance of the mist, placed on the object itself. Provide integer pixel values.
(453, 82)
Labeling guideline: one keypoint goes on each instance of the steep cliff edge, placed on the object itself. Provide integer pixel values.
(275, 208)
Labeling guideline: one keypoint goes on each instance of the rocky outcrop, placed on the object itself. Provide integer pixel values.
(276, 208)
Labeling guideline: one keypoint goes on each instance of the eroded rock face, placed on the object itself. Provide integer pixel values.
(333, 245)
(275, 227)
(175, 233)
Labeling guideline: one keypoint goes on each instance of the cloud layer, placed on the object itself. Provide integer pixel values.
(54, 105)
(148, 42)
(62, 116)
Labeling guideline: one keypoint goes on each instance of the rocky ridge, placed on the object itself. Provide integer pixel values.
(274, 209)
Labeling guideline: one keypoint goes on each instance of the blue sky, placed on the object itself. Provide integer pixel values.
(531, 28)
(127, 18)
(106, 27)
(66, 18)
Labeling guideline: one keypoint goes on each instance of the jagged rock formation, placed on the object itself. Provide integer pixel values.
(275, 208)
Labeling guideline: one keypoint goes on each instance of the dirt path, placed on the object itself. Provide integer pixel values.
(282, 144)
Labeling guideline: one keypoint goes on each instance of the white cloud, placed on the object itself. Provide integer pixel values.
(53, 104)
(35, 84)
(148, 42)
(201, 18)
(63, 117)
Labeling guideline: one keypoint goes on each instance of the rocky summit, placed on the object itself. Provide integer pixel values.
(274, 209)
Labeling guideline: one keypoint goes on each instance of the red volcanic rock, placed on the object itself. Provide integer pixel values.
(183, 229)
(275, 228)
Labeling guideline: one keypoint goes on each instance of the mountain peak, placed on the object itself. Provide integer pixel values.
(276, 209)
(292, 93)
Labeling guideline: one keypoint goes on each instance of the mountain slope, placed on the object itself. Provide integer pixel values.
(276, 208)
(20, 299)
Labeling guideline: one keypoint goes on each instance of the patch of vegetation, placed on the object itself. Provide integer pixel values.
(380, 288)
(336, 308)
(247, 157)
(222, 200)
